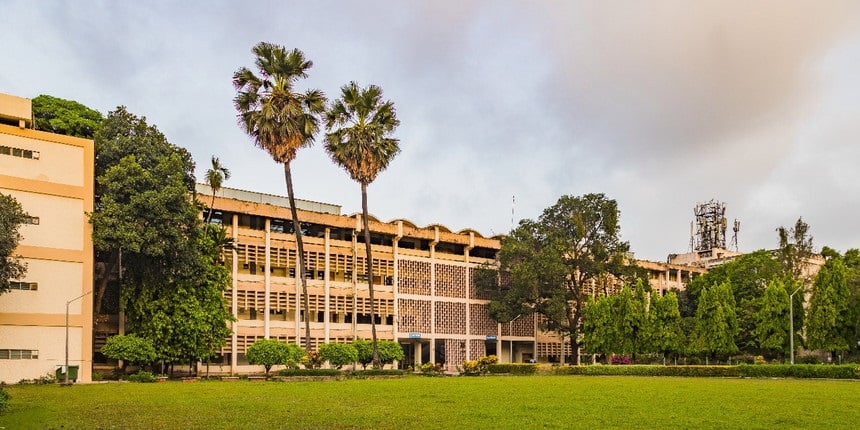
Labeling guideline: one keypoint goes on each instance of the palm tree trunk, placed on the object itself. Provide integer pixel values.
(369, 260)
(211, 207)
(300, 255)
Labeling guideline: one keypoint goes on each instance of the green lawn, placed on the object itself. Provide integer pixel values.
(442, 403)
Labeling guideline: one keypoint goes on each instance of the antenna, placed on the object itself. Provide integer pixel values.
(513, 205)
(736, 227)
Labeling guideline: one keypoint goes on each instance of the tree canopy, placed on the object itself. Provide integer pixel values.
(68, 117)
(12, 216)
(548, 266)
(171, 280)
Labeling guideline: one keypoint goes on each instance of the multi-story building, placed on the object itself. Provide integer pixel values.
(423, 281)
(51, 176)
(422, 276)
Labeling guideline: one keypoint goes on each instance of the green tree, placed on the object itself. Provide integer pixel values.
(364, 348)
(215, 177)
(338, 354)
(268, 352)
(716, 322)
(551, 264)
(772, 324)
(599, 329)
(390, 351)
(748, 275)
(830, 324)
(12, 216)
(630, 319)
(172, 279)
(795, 248)
(67, 117)
(359, 126)
(130, 349)
(280, 120)
(664, 329)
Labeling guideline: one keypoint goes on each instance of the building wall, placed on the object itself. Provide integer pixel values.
(422, 282)
(52, 177)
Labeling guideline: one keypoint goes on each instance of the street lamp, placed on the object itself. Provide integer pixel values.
(67, 333)
(791, 320)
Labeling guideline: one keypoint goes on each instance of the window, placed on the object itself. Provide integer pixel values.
(19, 354)
(19, 152)
(32, 220)
(26, 286)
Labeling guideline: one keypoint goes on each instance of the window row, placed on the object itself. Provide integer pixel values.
(26, 286)
(19, 152)
(19, 354)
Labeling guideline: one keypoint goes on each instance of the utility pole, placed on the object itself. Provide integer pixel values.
(67, 334)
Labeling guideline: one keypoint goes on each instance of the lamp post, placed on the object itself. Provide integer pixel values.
(791, 320)
(67, 333)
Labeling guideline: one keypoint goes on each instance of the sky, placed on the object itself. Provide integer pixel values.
(505, 106)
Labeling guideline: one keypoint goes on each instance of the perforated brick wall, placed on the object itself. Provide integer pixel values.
(451, 281)
(413, 277)
(415, 315)
(450, 318)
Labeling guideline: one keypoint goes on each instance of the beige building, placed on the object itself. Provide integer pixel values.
(52, 177)
(423, 281)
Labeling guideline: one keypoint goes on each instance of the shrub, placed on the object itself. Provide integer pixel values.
(809, 359)
(827, 371)
(338, 354)
(364, 348)
(430, 369)
(378, 372)
(389, 351)
(648, 370)
(312, 360)
(142, 376)
(479, 366)
(620, 359)
(4, 400)
(513, 368)
(270, 352)
(309, 372)
(130, 349)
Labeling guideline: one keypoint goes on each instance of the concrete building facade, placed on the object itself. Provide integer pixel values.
(52, 177)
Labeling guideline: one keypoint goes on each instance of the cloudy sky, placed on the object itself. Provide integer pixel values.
(505, 106)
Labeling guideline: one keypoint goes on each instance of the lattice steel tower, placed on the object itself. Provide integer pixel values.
(710, 226)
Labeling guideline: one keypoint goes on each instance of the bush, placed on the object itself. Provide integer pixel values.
(619, 359)
(142, 376)
(378, 372)
(430, 369)
(130, 349)
(338, 354)
(4, 400)
(479, 366)
(648, 370)
(513, 368)
(309, 372)
(825, 371)
(312, 360)
(270, 352)
(389, 351)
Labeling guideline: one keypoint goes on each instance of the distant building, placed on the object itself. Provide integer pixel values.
(52, 177)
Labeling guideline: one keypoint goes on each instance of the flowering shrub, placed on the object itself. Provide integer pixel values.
(479, 366)
(620, 359)
(431, 369)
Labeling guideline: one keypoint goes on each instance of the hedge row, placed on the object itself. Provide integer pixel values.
(513, 368)
(649, 370)
(847, 371)
(827, 371)
(309, 372)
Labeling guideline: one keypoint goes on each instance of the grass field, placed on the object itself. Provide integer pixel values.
(442, 403)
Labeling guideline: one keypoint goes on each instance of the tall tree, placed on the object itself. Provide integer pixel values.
(599, 328)
(554, 261)
(629, 315)
(281, 120)
(772, 325)
(172, 281)
(664, 332)
(68, 117)
(359, 126)
(215, 177)
(716, 322)
(795, 248)
(132, 220)
(12, 216)
(830, 323)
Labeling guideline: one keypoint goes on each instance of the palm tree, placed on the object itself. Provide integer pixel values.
(215, 177)
(359, 125)
(280, 120)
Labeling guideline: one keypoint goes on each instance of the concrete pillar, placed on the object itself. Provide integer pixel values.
(267, 276)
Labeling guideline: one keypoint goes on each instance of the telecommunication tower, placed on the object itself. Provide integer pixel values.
(708, 230)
